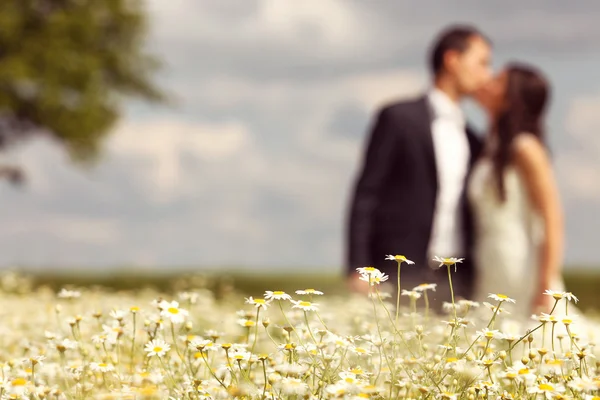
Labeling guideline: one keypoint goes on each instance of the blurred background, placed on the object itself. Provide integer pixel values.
(185, 135)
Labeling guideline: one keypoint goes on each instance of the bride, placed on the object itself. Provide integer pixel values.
(516, 207)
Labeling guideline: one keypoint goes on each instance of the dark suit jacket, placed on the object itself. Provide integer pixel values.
(394, 200)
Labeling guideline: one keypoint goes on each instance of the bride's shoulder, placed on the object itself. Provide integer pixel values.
(529, 152)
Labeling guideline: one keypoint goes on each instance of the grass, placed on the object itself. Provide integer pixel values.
(584, 284)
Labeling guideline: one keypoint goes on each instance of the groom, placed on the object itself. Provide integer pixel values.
(409, 198)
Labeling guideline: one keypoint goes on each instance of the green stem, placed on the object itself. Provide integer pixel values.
(398, 296)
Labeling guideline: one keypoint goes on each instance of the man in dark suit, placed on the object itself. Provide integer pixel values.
(409, 197)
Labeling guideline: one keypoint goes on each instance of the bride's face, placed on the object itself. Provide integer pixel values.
(491, 97)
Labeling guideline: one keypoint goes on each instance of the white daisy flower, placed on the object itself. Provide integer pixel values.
(277, 295)
(118, 314)
(309, 291)
(157, 347)
(172, 311)
(304, 305)
(556, 294)
(293, 387)
(489, 334)
(448, 261)
(425, 286)
(368, 271)
(374, 278)
(547, 389)
(468, 303)
(101, 367)
(413, 294)
(258, 303)
(501, 298)
(69, 294)
(399, 259)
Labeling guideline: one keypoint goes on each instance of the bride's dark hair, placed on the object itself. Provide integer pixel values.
(525, 99)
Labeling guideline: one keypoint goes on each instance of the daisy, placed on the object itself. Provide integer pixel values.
(200, 344)
(118, 314)
(413, 294)
(172, 311)
(448, 261)
(399, 258)
(374, 278)
(277, 295)
(489, 334)
(501, 298)
(69, 294)
(259, 303)
(157, 347)
(468, 303)
(305, 305)
(548, 390)
(293, 386)
(36, 360)
(571, 297)
(368, 271)
(425, 286)
(309, 291)
(101, 367)
(556, 294)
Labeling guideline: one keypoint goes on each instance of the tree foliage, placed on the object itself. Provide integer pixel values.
(67, 65)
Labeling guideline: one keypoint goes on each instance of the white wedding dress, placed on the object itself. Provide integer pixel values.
(506, 251)
(507, 238)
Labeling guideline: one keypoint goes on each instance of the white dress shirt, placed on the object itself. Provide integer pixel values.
(451, 148)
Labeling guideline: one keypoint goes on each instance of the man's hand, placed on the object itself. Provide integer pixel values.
(355, 285)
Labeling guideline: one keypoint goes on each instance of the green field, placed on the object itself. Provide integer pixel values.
(584, 284)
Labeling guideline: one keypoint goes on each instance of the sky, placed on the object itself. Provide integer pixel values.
(253, 165)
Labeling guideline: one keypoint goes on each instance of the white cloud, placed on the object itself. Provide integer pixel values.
(579, 168)
(162, 142)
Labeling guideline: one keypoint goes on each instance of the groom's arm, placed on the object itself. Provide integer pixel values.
(376, 163)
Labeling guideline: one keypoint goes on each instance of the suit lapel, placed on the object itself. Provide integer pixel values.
(423, 116)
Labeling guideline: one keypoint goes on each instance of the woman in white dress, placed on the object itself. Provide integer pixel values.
(517, 213)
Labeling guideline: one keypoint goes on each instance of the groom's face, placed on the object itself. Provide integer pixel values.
(472, 68)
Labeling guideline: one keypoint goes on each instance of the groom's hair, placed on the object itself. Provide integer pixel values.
(453, 38)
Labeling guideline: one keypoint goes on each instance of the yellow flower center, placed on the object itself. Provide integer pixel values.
(259, 301)
(546, 387)
(305, 303)
(523, 371)
(102, 365)
(310, 290)
(173, 310)
(157, 349)
(369, 269)
(278, 293)
(502, 296)
(19, 382)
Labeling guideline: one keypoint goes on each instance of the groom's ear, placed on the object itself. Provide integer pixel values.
(451, 60)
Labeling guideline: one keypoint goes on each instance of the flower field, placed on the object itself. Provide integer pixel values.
(196, 343)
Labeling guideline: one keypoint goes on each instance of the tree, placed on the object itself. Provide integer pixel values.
(66, 66)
